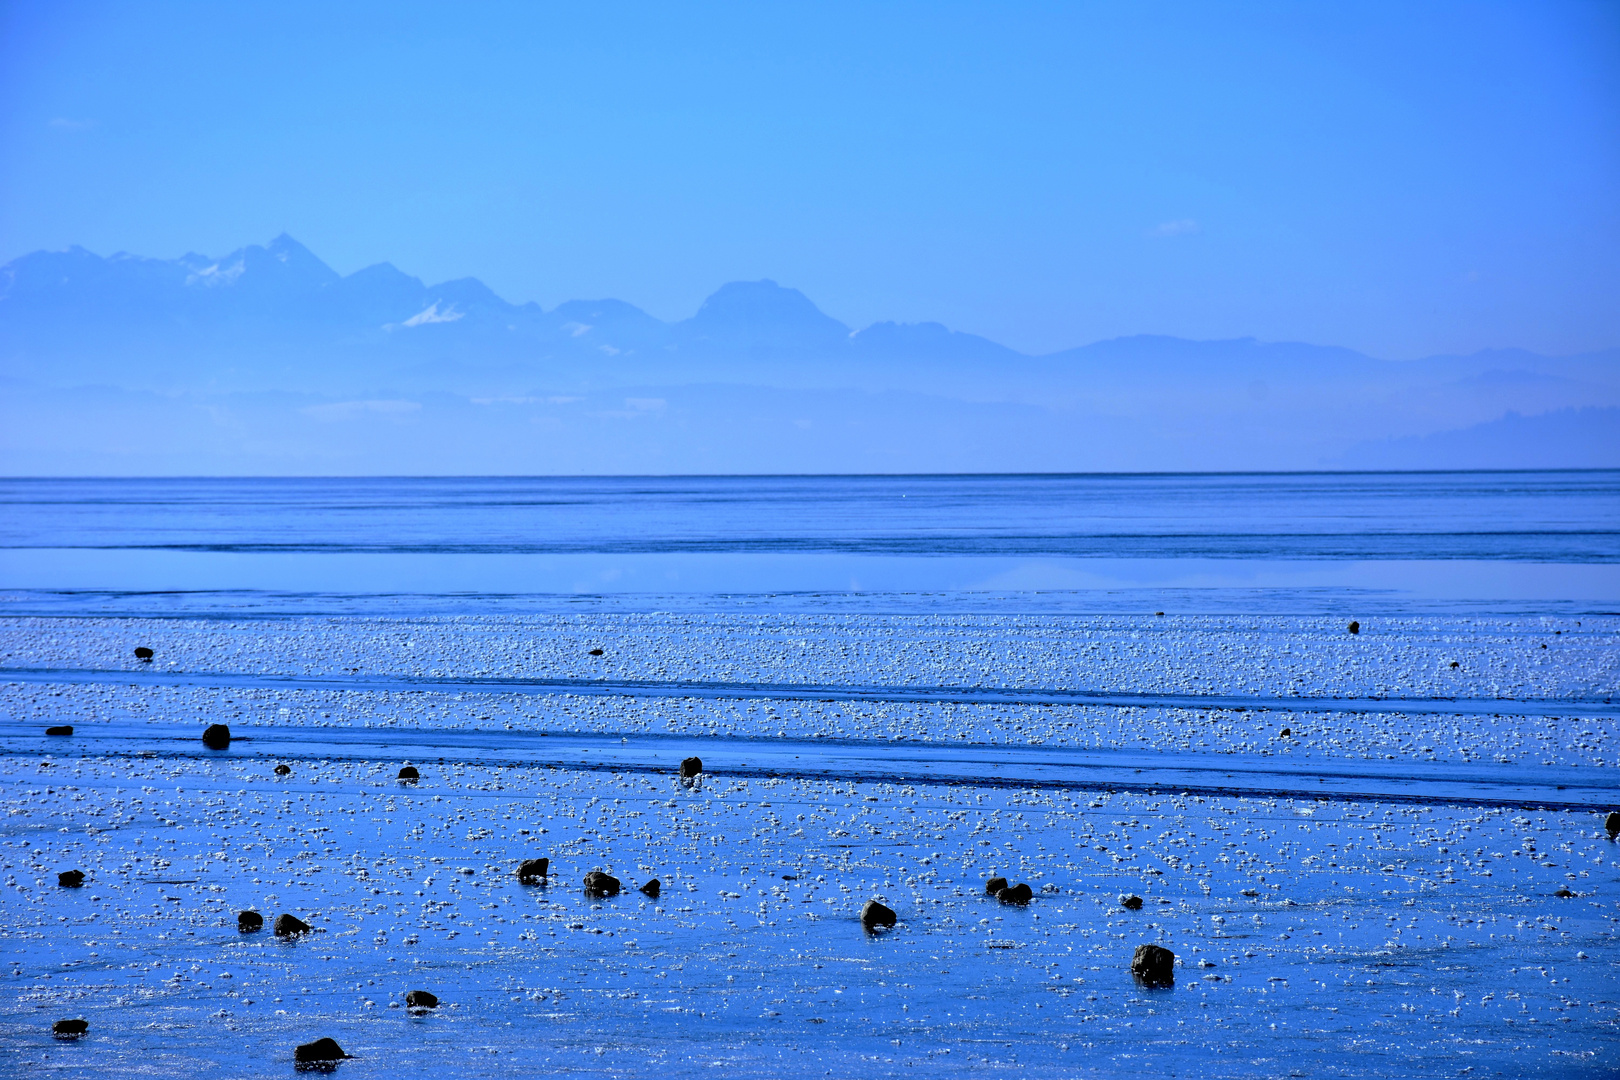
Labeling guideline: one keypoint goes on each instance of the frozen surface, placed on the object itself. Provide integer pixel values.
(1416, 934)
(1354, 844)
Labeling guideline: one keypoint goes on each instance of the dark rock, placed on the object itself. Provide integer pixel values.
(70, 879)
(1017, 894)
(1354, 627)
(1134, 903)
(217, 737)
(249, 921)
(1455, 664)
(60, 729)
(691, 767)
(143, 653)
(283, 769)
(599, 885)
(1154, 965)
(1613, 823)
(596, 652)
(994, 885)
(320, 1050)
(652, 889)
(1563, 891)
(70, 1029)
(288, 925)
(1286, 732)
(533, 868)
(409, 773)
(874, 915)
(421, 999)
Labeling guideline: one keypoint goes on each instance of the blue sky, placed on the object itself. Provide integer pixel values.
(1400, 178)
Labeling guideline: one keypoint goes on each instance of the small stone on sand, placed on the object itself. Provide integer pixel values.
(70, 879)
(249, 921)
(217, 737)
(421, 999)
(652, 889)
(60, 729)
(70, 1029)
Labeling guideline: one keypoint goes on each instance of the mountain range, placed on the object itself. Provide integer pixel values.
(269, 361)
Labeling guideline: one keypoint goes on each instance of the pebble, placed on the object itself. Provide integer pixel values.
(70, 1029)
(143, 654)
(1613, 823)
(409, 773)
(1133, 903)
(217, 737)
(320, 1050)
(874, 915)
(70, 879)
(1017, 894)
(652, 889)
(283, 769)
(691, 767)
(249, 921)
(599, 884)
(533, 868)
(60, 729)
(994, 885)
(1354, 627)
(421, 999)
(288, 925)
(596, 652)
(1154, 965)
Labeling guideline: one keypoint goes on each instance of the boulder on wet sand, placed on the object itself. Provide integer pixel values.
(1613, 823)
(1354, 627)
(320, 1050)
(421, 999)
(533, 868)
(874, 915)
(599, 884)
(994, 885)
(283, 769)
(249, 921)
(70, 1029)
(652, 889)
(217, 737)
(143, 653)
(70, 879)
(1154, 965)
(1133, 903)
(1563, 892)
(1017, 894)
(691, 767)
(289, 925)
(409, 773)
(596, 652)
(60, 729)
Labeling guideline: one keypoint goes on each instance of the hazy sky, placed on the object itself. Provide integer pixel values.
(1403, 178)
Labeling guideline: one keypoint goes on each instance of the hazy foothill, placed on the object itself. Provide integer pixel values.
(268, 361)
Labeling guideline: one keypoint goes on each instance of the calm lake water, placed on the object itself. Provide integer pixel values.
(1286, 543)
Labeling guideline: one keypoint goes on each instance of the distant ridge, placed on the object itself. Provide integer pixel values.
(269, 359)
